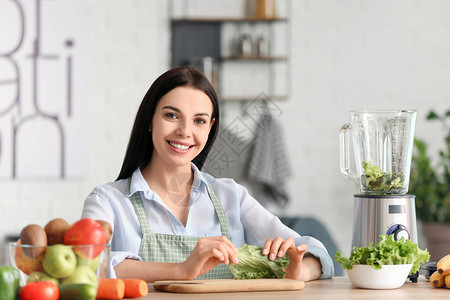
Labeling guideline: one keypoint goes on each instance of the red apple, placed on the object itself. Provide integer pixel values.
(86, 232)
(27, 264)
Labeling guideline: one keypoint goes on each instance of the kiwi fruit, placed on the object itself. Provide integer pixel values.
(55, 230)
(33, 235)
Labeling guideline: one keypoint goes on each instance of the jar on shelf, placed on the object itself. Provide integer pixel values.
(262, 47)
(265, 9)
(245, 45)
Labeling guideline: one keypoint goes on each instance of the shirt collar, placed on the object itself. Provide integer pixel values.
(198, 177)
(138, 183)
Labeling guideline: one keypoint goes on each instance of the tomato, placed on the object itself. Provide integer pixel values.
(40, 290)
(86, 232)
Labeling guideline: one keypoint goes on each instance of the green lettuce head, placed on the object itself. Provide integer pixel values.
(252, 264)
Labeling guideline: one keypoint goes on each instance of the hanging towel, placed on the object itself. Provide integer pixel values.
(268, 165)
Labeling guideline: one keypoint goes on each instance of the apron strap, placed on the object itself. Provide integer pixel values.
(139, 209)
(219, 211)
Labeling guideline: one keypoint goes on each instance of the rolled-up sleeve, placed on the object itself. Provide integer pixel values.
(116, 257)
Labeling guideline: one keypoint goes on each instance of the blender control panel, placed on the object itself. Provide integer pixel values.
(398, 230)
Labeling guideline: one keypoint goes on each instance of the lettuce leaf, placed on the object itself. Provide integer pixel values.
(374, 179)
(252, 264)
(386, 252)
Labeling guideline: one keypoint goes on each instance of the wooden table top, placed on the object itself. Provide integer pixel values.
(336, 288)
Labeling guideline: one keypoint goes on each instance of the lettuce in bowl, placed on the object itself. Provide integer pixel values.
(386, 252)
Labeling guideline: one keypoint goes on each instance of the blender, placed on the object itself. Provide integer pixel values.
(382, 144)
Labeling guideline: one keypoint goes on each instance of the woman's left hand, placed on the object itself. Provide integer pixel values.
(279, 247)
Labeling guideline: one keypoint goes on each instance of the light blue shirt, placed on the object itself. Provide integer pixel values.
(248, 221)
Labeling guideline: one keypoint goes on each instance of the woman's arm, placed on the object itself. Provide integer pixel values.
(208, 253)
(311, 268)
(149, 271)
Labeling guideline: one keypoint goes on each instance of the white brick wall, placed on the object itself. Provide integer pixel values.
(345, 55)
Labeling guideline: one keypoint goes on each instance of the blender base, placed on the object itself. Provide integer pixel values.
(375, 215)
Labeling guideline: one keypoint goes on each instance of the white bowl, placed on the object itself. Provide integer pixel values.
(388, 277)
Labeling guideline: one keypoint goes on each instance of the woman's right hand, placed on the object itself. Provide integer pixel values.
(208, 253)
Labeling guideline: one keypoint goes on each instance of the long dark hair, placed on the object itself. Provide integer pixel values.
(140, 146)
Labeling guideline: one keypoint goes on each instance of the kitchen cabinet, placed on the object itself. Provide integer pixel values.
(243, 57)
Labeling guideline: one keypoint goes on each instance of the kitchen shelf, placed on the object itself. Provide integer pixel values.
(247, 19)
(197, 38)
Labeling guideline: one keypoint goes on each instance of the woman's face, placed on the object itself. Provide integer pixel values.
(180, 126)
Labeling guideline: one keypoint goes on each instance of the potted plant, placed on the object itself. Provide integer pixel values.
(430, 183)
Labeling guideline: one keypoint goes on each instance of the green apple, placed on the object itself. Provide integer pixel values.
(59, 261)
(41, 276)
(91, 263)
(82, 274)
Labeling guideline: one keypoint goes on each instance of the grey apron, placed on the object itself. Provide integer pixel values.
(158, 247)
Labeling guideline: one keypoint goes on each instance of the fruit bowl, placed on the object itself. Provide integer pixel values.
(388, 277)
(62, 264)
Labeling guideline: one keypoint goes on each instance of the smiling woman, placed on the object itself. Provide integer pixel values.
(172, 221)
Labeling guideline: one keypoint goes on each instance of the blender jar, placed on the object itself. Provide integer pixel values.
(382, 143)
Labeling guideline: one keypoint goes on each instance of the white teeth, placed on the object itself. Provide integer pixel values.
(178, 146)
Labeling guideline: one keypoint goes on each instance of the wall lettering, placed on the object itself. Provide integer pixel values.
(43, 88)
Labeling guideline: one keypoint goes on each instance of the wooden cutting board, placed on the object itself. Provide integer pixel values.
(228, 285)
